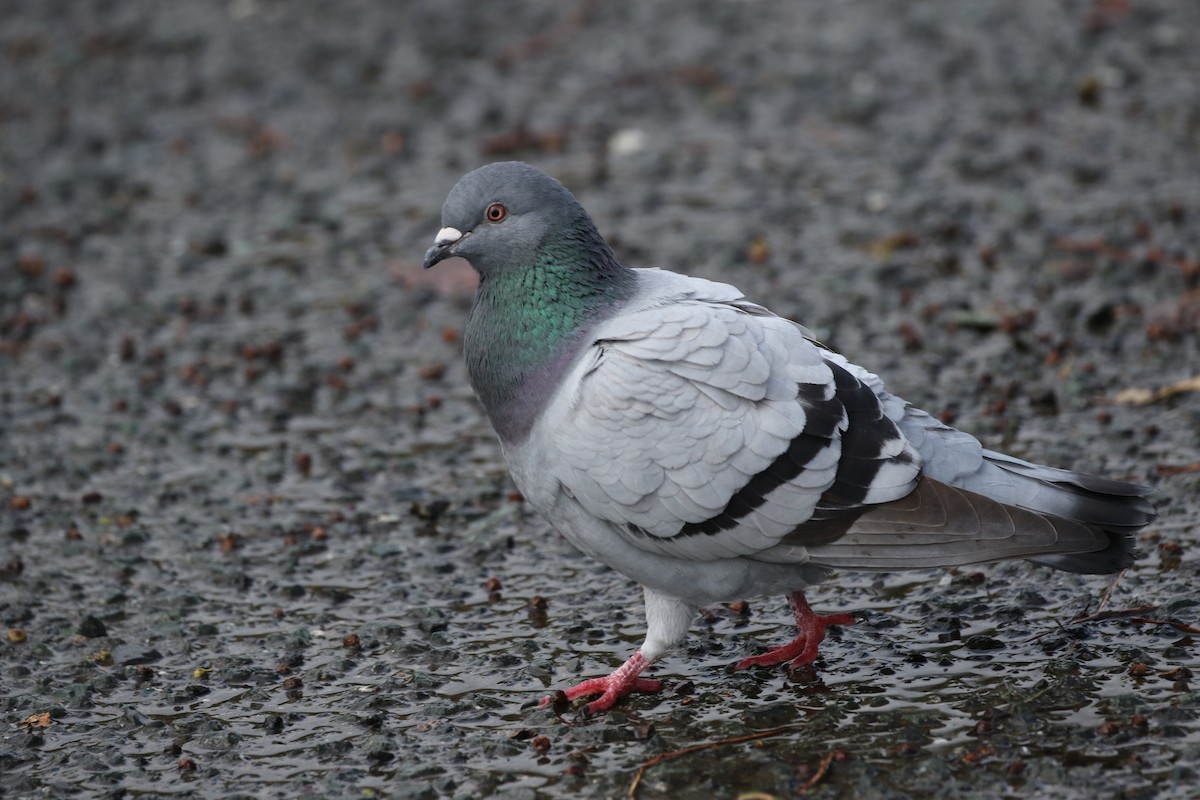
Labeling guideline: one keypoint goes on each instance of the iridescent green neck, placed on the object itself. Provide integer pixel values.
(529, 322)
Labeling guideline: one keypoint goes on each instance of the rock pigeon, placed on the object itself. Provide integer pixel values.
(711, 450)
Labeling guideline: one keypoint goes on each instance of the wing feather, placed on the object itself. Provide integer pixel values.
(707, 428)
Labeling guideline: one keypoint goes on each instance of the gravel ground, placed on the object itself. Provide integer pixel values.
(257, 540)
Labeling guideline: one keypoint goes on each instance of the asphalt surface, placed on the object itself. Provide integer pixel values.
(257, 539)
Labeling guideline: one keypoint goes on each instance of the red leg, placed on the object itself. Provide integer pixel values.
(803, 649)
(612, 688)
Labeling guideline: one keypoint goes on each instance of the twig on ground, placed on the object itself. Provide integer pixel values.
(1121, 612)
(1108, 593)
(1174, 623)
(820, 773)
(632, 793)
(1134, 615)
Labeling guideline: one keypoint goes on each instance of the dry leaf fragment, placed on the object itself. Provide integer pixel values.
(37, 720)
(1144, 397)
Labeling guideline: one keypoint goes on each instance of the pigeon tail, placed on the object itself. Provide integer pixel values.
(1118, 555)
(1111, 512)
(939, 525)
(1114, 508)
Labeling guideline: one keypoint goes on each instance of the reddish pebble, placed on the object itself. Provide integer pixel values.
(910, 336)
(975, 756)
(392, 142)
(433, 372)
(303, 462)
(31, 265)
(758, 252)
(739, 607)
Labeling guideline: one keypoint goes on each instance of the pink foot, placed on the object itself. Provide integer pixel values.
(612, 688)
(803, 649)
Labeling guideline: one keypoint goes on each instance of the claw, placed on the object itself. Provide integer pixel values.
(611, 688)
(803, 649)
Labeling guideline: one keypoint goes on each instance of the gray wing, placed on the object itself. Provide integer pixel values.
(707, 428)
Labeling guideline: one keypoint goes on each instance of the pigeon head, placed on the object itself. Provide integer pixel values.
(512, 216)
(546, 277)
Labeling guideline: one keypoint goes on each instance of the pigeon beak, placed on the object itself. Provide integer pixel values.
(446, 238)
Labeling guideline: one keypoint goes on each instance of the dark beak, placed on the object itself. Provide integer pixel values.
(442, 246)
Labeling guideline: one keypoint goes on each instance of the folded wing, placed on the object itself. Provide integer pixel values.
(705, 428)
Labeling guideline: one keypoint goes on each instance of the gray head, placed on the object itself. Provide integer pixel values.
(503, 216)
(546, 278)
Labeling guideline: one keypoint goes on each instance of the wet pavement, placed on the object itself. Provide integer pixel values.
(256, 538)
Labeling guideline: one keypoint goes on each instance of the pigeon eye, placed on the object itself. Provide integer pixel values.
(496, 212)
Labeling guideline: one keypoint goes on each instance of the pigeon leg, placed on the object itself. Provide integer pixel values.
(803, 649)
(613, 687)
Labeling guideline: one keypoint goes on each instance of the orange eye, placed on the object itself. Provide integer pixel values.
(496, 212)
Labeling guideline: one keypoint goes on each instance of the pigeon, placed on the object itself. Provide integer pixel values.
(710, 450)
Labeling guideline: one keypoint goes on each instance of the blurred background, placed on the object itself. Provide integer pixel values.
(256, 537)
